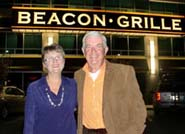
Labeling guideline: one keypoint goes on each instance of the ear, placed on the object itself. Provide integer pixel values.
(44, 65)
(83, 51)
(64, 60)
(106, 50)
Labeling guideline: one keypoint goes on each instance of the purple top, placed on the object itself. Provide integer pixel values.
(43, 118)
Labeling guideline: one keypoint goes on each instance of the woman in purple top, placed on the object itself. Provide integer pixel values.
(51, 100)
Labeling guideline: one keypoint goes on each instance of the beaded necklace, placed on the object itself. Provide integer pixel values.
(50, 100)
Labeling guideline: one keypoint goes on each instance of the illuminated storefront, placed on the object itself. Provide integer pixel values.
(141, 33)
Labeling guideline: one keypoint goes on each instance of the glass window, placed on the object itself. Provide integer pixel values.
(60, 3)
(167, 7)
(111, 3)
(154, 6)
(85, 2)
(119, 4)
(95, 3)
(181, 9)
(68, 42)
(5, 21)
(79, 45)
(126, 4)
(141, 4)
(164, 46)
(23, 1)
(178, 47)
(32, 43)
(9, 91)
(119, 45)
(11, 42)
(171, 7)
(17, 92)
(2, 40)
(77, 3)
(136, 45)
(5, 3)
(40, 1)
(13, 91)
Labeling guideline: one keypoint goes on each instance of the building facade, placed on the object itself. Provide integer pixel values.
(148, 34)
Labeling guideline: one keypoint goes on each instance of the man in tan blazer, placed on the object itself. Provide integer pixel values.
(109, 98)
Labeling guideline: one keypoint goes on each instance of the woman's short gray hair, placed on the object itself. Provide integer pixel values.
(53, 47)
(95, 34)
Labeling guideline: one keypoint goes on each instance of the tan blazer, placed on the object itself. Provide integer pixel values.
(124, 111)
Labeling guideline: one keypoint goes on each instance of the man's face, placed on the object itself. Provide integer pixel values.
(94, 52)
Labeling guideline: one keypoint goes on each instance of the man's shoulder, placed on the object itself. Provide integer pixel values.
(119, 66)
(78, 71)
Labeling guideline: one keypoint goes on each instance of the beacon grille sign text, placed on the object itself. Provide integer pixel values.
(80, 19)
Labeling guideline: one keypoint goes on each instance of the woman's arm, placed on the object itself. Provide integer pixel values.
(29, 112)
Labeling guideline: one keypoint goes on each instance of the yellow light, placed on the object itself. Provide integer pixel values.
(152, 48)
(50, 40)
(152, 63)
(152, 57)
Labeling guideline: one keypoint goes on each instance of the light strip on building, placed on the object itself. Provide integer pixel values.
(152, 57)
(152, 63)
(50, 40)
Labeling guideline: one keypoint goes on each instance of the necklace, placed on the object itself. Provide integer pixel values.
(50, 100)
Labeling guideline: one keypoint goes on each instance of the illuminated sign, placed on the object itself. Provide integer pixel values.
(79, 19)
(169, 1)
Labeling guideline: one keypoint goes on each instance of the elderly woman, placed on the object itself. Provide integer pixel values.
(51, 100)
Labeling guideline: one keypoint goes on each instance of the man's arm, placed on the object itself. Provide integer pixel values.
(137, 108)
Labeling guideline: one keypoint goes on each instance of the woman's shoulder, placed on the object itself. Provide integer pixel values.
(35, 86)
(38, 82)
(70, 83)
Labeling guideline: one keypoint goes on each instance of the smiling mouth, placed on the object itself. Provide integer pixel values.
(56, 66)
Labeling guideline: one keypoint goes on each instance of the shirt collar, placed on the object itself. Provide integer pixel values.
(86, 69)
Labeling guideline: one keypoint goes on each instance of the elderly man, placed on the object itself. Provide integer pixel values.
(109, 98)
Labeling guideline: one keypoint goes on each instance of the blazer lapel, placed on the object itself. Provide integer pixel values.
(107, 82)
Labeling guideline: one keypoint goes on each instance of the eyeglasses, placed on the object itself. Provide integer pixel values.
(52, 59)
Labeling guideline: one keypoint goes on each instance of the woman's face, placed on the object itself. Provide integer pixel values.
(53, 62)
